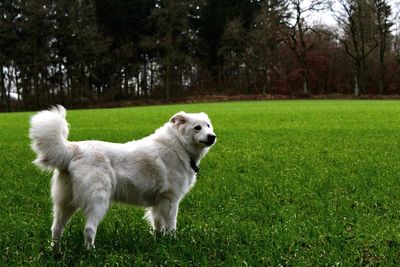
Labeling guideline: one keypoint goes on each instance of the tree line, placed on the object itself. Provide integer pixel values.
(78, 52)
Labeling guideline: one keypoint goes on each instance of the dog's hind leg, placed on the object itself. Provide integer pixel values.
(62, 206)
(94, 211)
(62, 214)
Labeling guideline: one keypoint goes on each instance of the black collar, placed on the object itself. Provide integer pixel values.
(194, 166)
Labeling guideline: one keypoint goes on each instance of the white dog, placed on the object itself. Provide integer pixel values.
(155, 172)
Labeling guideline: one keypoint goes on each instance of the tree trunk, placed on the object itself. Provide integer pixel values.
(151, 79)
(8, 90)
(381, 84)
(4, 96)
(17, 86)
(356, 84)
(167, 77)
(305, 86)
(61, 84)
(35, 77)
(144, 79)
(268, 80)
(2, 86)
(126, 84)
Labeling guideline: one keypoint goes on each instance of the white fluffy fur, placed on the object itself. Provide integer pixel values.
(153, 172)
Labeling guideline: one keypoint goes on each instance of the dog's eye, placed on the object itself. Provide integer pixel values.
(208, 125)
(197, 128)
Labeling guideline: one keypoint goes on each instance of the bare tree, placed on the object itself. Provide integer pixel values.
(233, 44)
(357, 24)
(298, 32)
(172, 39)
(396, 45)
(383, 12)
(265, 39)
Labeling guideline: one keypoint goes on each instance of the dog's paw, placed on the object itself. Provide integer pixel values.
(55, 245)
(90, 247)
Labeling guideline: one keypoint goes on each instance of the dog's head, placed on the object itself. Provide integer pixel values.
(195, 129)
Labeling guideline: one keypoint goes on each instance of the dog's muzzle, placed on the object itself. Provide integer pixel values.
(210, 140)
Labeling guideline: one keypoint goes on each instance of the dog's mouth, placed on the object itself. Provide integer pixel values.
(207, 143)
(210, 140)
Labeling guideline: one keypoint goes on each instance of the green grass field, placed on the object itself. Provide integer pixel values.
(289, 183)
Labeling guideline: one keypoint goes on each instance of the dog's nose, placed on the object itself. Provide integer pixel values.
(211, 138)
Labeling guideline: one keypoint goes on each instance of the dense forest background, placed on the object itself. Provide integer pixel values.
(80, 52)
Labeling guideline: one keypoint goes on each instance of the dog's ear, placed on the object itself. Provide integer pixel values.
(178, 118)
(204, 115)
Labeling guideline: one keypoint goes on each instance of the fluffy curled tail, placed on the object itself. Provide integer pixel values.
(49, 132)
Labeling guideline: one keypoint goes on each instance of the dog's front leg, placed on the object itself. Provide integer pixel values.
(163, 216)
(171, 214)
